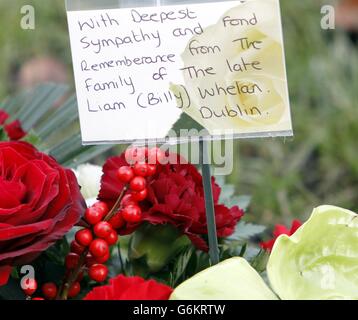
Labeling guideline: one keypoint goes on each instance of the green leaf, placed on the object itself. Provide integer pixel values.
(259, 262)
(39, 102)
(251, 252)
(232, 279)
(51, 118)
(200, 260)
(11, 104)
(227, 192)
(12, 291)
(65, 148)
(320, 260)
(63, 115)
(181, 265)
(242, 201)
(32, 138)
(3, 135)
(245, 231)
(156, 245)
(227, 196)
(15, 273)
(85, 154)
(116, 263)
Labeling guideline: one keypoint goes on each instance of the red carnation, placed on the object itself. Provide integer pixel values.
(14, 130)
(175, 196)
(3, 116)
(130, 288)
(39, 202)
(280, 229)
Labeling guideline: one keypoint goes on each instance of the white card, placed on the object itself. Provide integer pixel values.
(138, 70)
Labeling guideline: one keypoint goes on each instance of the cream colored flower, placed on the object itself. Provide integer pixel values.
(89, 178)
(247, 99)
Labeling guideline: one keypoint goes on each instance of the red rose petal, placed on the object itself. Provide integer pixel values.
(280, 229)
(3, 116)
(11, 232)
(110, 184)
(11, 193)
(5, 272)
(49, 203)
(42, 189)
(14, 130)
(295, 225)
(268, 245)
(130, 288)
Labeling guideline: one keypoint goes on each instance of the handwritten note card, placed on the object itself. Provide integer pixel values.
(139, 70)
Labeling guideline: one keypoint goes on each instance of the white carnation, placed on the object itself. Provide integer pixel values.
(89, 178)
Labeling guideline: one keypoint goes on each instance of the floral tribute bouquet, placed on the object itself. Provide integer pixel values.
(136, 229)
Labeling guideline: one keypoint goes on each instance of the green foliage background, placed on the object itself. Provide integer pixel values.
(286, 177)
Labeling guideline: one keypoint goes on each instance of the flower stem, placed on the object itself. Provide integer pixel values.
(121, 259)
(117, 205)
(73, 276)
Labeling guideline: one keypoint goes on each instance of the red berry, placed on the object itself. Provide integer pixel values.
(74, 290)
(102, 207)
(130, 155)
(76, 247)
(99, 248)
(49, 290)
(152, 168)
(102, 229)
(138, 184)
(38, 298)
(90, 259)
(127, 200)
(98, 272)
(71, 260)
(125, 174)
(84, 237)
(30, 286)
(140, 169)
(133, 155)
(103, 259)
(156, 155)
(94, 215)
(117, 220)
(112, 238)
(140, 195)
(132, 213)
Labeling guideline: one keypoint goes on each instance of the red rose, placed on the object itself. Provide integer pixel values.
(14, 130)
(3, 116)
(175, 196)
(39, 202)
(130, 288)
(280, 229)
(4, 274)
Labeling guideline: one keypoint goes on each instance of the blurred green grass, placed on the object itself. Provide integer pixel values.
(287, 177)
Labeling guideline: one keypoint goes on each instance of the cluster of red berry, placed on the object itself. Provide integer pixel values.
(49, 289)
(91, 247)
(142, 164)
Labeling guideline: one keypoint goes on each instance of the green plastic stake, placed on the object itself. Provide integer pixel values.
(209, 202)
